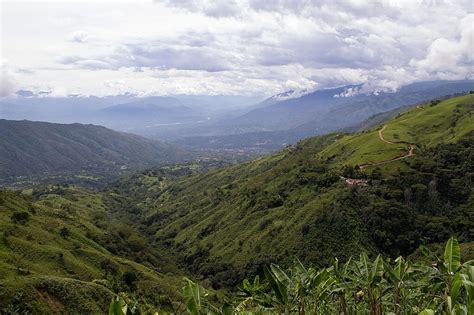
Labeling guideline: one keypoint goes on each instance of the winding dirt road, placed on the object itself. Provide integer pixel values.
(397, 158)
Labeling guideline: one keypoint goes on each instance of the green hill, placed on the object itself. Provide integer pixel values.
(68, 250)
(423, 126)
(62, 251)
(229, 223)
(45, 149)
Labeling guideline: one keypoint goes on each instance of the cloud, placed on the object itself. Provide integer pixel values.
(349, 92)
(8, 84)
(158, 56)
(450, 55)
(78, 36)
(213, 8)
(242, 46)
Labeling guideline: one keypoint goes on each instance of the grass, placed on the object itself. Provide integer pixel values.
(424, 126)
(364, 148)
(40, 264)
(430, 125)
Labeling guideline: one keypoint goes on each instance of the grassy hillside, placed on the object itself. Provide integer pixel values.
(63, 251)
(66, 249)
(423, 126)
(229, 223)
(40, 149)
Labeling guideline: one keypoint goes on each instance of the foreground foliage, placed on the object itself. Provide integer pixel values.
(377, 286)
(358, 286)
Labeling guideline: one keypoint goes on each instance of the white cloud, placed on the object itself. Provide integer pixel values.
(78, 36)
(451, 55)
(236, 46)
(8, 84)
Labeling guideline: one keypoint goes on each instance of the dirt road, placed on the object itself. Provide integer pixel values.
(397, 158)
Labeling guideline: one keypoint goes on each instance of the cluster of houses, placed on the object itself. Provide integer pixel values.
(355, 182)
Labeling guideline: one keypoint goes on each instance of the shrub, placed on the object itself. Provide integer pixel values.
(136, 243)
(109, 266)
(129, 278)
(64, 232)
(21, 217)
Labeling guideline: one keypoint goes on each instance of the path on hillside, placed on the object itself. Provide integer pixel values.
(397, 158)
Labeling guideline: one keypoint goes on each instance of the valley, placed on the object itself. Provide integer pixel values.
(237, 157)
(70, 249)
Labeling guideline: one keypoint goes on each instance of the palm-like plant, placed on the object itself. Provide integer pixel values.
(374, 286)
(362, 286)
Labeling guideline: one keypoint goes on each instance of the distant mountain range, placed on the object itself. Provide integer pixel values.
(230, 123)
(41, 149)
(148, 113)
(286, 118)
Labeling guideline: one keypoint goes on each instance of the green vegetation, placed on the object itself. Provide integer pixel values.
(227, 224)
(358, 286)
(67, 249)
(434, 123)
(424, 126)
(62, 250)
(84, 153)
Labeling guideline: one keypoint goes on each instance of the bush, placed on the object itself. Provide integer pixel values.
(136, 243)
(64, 232)
(21, 217)
(129, 278)
(109, 266)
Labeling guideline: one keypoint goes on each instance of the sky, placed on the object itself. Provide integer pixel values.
(230, 47)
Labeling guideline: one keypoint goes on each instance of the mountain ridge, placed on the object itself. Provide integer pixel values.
(39, 148)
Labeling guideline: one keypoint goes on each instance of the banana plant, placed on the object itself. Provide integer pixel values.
(342, 285)
(367, 277)
(197, 302)
(279, 282)
(253, 295)
(452, 280)
(118, 306)
(402, 280)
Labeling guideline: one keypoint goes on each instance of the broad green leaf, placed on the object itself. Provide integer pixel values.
(280, 274)
(456, 286)
(246, 286)
(192, 294)
(118, 306)
(452, 255)
(377, 270)
(278, 288)
(227, 309)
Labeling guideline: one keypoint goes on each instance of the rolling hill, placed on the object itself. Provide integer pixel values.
(68, 250)
(41, 149)
(424, 126)
(324, 197)
(63, 252)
